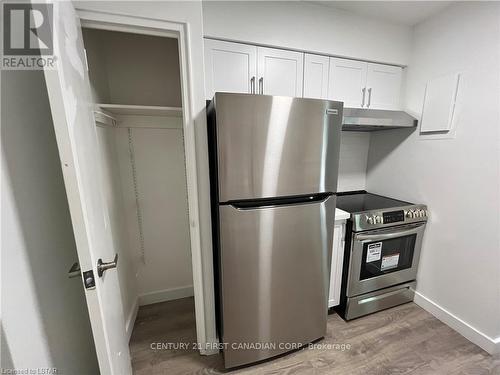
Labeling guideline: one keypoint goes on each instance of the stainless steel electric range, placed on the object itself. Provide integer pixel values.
(382, 250)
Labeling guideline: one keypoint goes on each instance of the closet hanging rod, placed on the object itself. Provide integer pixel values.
(140, 110)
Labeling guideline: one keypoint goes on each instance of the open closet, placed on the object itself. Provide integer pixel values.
(136, 86)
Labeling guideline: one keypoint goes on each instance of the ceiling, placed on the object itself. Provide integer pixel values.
(408, 13)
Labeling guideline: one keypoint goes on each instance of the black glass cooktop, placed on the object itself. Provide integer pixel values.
(359, 201)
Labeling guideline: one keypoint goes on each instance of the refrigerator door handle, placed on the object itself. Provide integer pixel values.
(251, 204)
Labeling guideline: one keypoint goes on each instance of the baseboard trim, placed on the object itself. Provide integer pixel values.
(132, 316)
(491, 345)
(165, 295)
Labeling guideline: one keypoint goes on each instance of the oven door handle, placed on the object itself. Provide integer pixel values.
(386, 236)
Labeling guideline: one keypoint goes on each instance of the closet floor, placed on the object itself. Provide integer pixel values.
(404, 340)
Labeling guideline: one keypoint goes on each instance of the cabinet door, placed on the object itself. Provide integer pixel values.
(316, 76)
(337, 263)
(383, 86)
(229, 67)
(280, 72)
(347, 79)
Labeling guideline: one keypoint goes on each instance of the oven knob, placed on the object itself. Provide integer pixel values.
(409, 214)
(378, 219)
(369, 219)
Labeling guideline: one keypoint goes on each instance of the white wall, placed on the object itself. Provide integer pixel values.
(163, 259)
(45, 320)
(127, 68)
(353, 161)
(307, 27)
(161, 177)
(458, 178)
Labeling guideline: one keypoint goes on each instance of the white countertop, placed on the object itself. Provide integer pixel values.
(341, 215)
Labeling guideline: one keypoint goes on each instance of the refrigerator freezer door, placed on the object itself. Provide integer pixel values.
(274, 265)
(271, 146)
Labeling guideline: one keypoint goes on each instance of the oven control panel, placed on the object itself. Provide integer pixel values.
(385, 218)
(393, 216)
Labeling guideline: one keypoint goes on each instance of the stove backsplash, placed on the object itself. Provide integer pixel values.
(353, 161)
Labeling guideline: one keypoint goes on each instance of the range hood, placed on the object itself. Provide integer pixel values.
(357, 119)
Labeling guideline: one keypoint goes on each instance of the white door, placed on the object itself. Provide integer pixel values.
(71, 105)
(229, 67)
(280, 72)
(316, 76)
(383, 84)
(347, 81)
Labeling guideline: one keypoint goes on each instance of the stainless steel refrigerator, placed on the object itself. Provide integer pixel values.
(273, 167)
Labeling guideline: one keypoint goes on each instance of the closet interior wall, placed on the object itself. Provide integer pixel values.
(135, 80)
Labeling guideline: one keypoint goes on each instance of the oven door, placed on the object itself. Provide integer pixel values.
(383, 258)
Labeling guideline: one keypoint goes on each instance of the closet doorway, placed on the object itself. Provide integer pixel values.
(136, 87)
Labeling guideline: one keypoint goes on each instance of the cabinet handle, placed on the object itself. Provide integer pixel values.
(363, 100)
(252, 85)
(261, 85)
(369, 97)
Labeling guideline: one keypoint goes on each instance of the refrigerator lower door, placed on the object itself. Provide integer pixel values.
(275, 267)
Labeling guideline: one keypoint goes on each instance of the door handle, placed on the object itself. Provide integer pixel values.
(363, 100)
(103, 266)
(261, 85)
(74, 271)
(369, 97)
(252, 85)
(253, 204)
(414, 229)
(382, 296)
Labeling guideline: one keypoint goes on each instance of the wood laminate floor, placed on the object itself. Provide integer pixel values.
(402, 340)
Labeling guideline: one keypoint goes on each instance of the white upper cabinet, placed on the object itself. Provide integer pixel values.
(229, 67)
(383, 85)
(280, 72)
(347, 82)
(316, 76)
(243, 68)
(364, 85)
